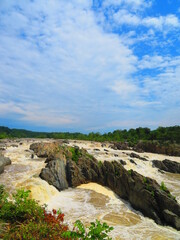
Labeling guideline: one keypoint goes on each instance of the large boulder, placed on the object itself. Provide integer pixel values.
(55, 174)
(167, 165)
(4, 161)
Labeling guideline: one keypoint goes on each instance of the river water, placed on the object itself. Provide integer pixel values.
(91, 201)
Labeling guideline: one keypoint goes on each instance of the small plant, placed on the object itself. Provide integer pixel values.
(163, 187)
(152, 193)
(20, 208)
(144, 179)
(75, 153)
(100, 164)
(95, 231)
(148, 187)
(130, 171)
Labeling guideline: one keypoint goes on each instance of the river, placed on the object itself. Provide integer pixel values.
(91, 201)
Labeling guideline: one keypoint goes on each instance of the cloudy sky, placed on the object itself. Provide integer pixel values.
(83, 65)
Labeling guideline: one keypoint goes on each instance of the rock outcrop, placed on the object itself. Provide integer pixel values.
(4, 161)
(77, 167)
(167, 165)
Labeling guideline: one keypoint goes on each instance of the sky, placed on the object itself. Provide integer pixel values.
(89, 65)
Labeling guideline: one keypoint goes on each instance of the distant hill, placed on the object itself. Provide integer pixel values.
(133, 136)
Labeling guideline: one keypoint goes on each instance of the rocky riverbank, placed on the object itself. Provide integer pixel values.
(70, 167)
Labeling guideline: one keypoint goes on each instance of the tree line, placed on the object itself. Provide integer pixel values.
(133, 136)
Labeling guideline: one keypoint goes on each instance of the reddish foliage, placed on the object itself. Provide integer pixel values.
(55, 220)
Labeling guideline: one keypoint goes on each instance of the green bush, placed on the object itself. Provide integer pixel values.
(23, 218)
(94, 231)
(20, 208)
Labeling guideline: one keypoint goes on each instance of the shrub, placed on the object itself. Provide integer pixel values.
(75, 153)
(20, 208)
(30, 221)
(95, 231)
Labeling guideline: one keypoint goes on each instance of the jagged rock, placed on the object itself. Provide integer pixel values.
(144, 194)
(122, 162)
(55, 174)
(134, 155)
(167, 165)
(172, 217)
(132, 161)
(120, 146)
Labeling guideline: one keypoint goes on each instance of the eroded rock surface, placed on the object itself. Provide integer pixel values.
(75, 166)
(167, 165)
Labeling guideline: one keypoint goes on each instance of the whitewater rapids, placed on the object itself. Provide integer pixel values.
(91, 201)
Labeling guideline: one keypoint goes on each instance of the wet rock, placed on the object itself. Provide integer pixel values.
(172, 217)
(14, 145)
(167, 165)
(116, 155)
(106, 150)
(132, 161)
(144, 194)
(122, 162)
(32, 155)
(55, 174)
(4, 161)
(134, 155)
(120, 146)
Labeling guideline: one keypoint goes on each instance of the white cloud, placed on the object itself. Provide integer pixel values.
(58, 67)
(134, 4)
(124, 17)
(58, 59)
(160, 23)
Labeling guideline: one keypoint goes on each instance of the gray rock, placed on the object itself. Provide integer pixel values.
(4, 161)
(55, 174)
(167, 165)
(144, 194)
(172, 217)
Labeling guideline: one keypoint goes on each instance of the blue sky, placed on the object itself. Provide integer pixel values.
(82, 65)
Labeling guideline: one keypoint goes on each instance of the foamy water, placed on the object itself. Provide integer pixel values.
(91, 201)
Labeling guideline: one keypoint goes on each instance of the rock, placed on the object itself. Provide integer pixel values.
(32, 155)
(120, 146)
(106, 150)
(122, 162)
(134, 155)
(144, 194)
(132, 161)
(55, 174)
(14, 145)
(116, 155)
(172, 217)
(4, 161)
(96, 149)
(167, 165)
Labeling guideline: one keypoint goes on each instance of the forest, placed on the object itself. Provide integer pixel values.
(132, 136)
